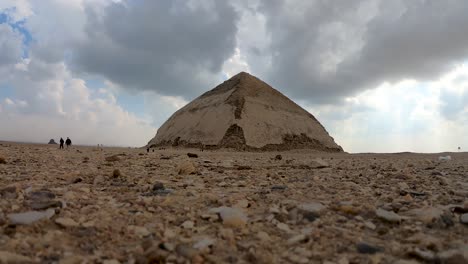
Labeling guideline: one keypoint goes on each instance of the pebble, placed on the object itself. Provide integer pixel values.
(2, 160)
(426, 215)
(389, 216)
(140, 231)
(312, 207)
(284, 227)
(113, 158)
(296, 239)
(158, 186)
(279, 187)
(66, 222)
(42, 205)
(204, 243)
(116, 174)
(464, 218)
(188, 224)
(319, 164)
(263, 236)
(232, 217)
(365, 248)
(186, 168)
(192, 155)
(369, 225)
(30, 217)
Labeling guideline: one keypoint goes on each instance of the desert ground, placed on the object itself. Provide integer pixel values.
(124, 205)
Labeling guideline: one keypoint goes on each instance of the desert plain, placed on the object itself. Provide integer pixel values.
(125, 205)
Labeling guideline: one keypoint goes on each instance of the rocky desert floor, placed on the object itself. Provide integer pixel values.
(121, 205)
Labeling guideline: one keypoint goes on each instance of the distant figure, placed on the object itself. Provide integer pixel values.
(147, 149)
(61, 143)
(459, 148)
(68, 142)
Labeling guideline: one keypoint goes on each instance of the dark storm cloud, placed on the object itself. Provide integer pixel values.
(171, 47)
(325, 50)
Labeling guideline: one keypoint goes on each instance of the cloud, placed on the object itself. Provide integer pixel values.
(10, 46)
(174, 48)
(327, 50)
(49, 102)
(405, 116)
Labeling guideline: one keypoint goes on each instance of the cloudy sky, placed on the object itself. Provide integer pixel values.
(382, 76)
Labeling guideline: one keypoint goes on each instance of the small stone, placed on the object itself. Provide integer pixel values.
(158, 186)
(284, 227)
(278, 157)
(116, 174)
(312, 207)
(2, 160)
(263, 236)
(188, 224)
(426, 215)
(42, 205)
(113, 158)
(140, 231)
(42, 195)
(388, 215)
(232, 217)
(192, 155)
(30, 217)
(425, 255)
(319, 164)
(243, 167)
(279, 187)
(204, 243)
(464, 218)
(186, 168)
(348, 209)
(369, 225)
(66, 222)
(365, 248)
(296, 239)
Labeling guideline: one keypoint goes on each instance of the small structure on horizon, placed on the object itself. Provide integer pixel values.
(52, 142)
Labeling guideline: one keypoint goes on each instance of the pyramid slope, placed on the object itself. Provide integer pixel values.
(247, 114)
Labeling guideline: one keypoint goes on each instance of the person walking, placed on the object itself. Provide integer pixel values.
(68, 142)
(61, 143)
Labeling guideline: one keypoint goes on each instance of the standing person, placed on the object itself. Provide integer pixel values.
(68, 142)
(61, 143)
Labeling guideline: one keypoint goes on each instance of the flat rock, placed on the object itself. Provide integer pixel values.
(389, 216)
(311, 207)
(66, 222)
(464, 218)
(426, 215)
(365, 248)
(30, 217)
(232, 217)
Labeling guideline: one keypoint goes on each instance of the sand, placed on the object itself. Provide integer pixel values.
(125, 205)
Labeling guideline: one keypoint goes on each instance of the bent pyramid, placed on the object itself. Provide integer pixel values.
(244, 113)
